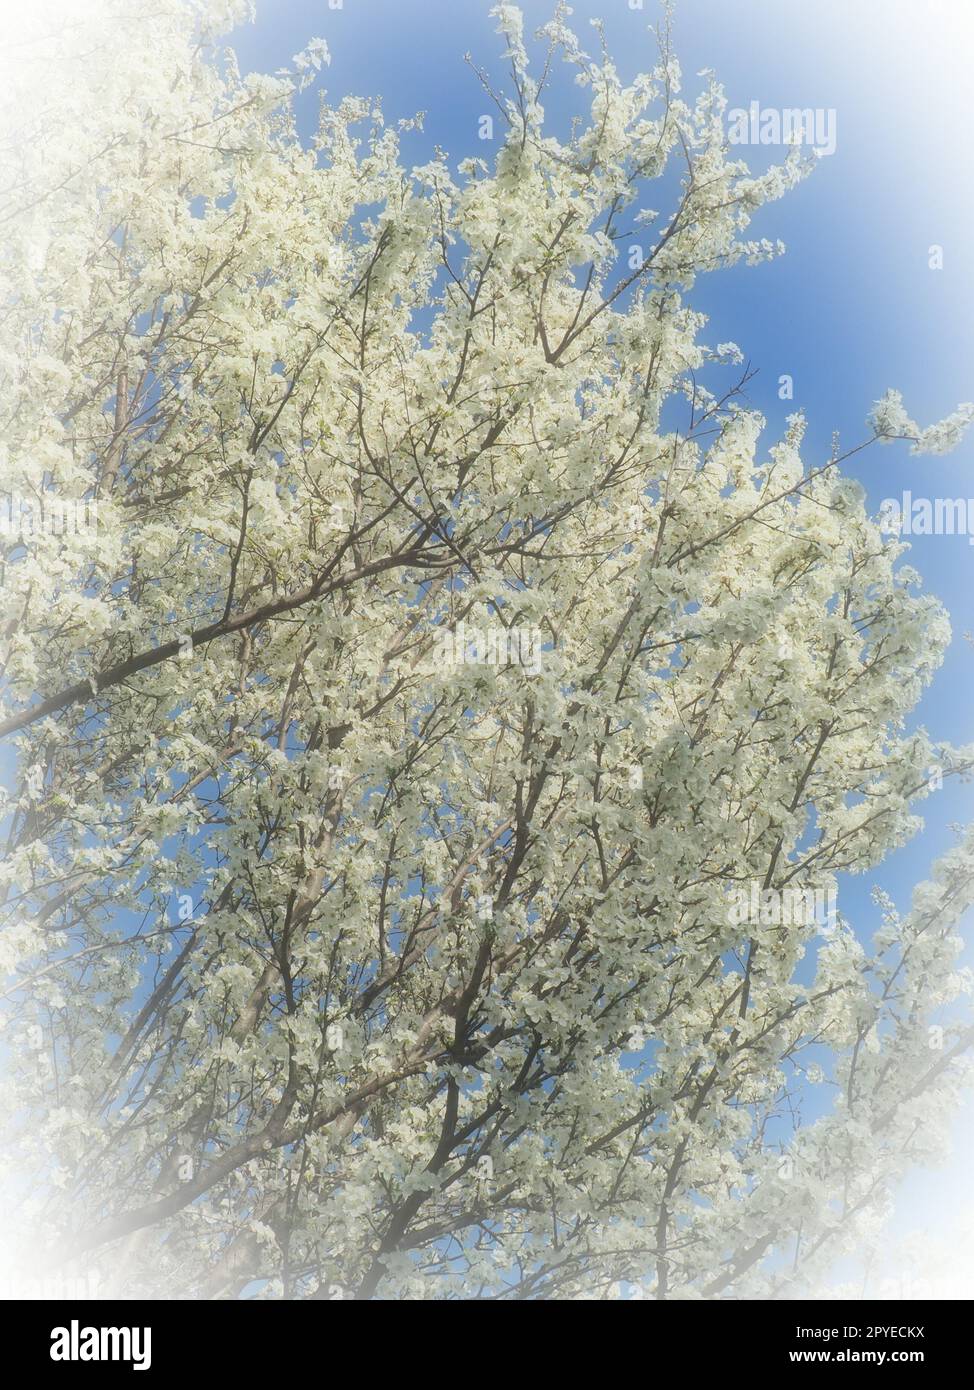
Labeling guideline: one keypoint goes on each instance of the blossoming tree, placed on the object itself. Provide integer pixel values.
(349, 957)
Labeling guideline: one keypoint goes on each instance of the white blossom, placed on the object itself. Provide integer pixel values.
(306, 914)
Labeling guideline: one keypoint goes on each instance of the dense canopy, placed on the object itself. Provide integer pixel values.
(432, 662)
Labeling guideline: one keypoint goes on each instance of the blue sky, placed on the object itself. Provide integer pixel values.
(853, 308)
